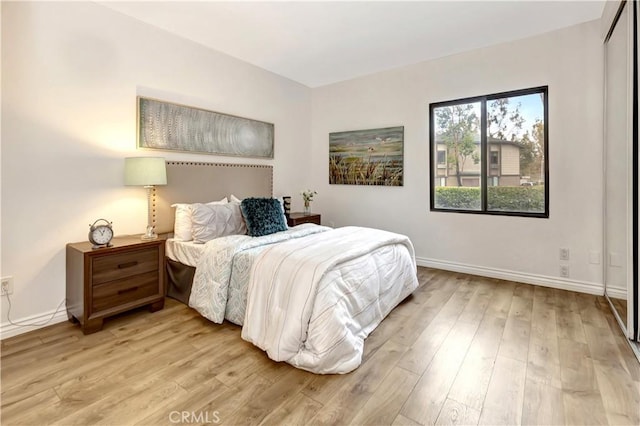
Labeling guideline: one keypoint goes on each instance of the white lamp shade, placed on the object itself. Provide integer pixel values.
(145, 171)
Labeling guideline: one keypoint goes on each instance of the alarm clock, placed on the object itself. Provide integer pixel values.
(100, 235)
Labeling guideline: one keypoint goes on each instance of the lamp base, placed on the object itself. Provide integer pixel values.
(149, 235)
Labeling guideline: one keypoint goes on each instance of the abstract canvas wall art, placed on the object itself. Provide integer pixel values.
(168, 126)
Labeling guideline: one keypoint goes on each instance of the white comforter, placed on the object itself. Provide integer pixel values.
(312, 301)
(219, 289)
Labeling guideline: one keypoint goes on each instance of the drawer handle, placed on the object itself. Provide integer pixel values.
(127, 265)
(129, 290)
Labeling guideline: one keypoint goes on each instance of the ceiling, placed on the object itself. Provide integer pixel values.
(319, 43)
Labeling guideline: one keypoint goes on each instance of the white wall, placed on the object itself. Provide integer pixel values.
(70, 76)
(570, 62)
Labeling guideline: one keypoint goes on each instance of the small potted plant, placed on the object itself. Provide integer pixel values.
(307, 197)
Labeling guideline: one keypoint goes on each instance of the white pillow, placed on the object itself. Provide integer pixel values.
(211, 221)
(182, 225)
(234, 199)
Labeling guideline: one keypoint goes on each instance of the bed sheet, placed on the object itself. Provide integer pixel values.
(186, 252)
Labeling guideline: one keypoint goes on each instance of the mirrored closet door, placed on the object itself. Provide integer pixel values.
(620, 149)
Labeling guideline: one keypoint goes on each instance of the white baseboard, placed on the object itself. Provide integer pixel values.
(541, 280)
(44, 320)
(617, 293)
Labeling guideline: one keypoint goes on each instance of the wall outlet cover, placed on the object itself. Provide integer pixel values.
(7, 285)
(616, 260)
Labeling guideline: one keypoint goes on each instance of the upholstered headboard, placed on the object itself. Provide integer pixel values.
(191, 182)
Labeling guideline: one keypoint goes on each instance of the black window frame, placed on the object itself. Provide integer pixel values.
(484, 155)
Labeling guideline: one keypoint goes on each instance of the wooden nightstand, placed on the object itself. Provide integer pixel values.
(297, 218)
(108, 281)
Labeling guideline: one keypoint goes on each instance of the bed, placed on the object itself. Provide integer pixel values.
(307, 295)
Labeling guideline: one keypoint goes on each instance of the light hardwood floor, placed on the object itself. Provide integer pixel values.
(461, 350)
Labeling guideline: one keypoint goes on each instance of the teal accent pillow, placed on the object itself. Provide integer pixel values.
(263, 216)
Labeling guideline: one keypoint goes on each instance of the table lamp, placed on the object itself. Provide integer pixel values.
(147, 172)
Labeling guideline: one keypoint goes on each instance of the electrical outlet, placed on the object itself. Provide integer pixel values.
(564, 254)
(615, 260)
(564, 271)
(7, 285)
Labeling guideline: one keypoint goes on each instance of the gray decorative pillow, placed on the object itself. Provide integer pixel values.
(213, 221)
(263, 216)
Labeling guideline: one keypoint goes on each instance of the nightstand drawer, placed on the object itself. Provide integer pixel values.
(296, 219)
(123, 291)
(308, 219)
(118, 266)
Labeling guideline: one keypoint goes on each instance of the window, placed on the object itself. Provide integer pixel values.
(494, 159)
(489, 154)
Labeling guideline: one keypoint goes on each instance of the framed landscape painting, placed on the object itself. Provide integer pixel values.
(173, 127)
(367, 157)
